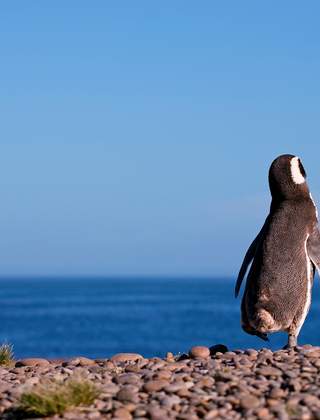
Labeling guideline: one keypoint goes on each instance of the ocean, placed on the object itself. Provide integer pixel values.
(98, 317)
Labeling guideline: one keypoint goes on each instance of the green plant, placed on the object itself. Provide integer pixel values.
(53, 397)
(6, 355)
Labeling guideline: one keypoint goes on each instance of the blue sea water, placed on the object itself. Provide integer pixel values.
(97, 317)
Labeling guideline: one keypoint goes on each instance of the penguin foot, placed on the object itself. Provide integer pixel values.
(292, 342)
(287, 347)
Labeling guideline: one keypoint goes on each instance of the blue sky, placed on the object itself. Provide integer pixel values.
(136, 136)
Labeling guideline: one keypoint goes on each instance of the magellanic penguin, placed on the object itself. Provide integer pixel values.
(284, 256)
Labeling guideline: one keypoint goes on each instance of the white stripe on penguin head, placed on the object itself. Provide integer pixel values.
(296, 174)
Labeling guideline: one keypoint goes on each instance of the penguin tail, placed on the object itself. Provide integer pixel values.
(264, 321)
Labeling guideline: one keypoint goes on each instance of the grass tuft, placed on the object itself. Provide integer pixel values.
(53, 397)
(6, 355)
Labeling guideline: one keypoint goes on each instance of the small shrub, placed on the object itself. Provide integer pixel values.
(53, 397)
(6, 355)
(83, 392)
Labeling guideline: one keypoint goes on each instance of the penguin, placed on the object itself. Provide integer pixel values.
(284, 257)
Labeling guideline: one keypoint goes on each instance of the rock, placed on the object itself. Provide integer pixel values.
(169, 401)
(311, 400)
(277, 393)
(156, 385)
(199, 352)
(249, 402)
(273, 403)
(175, 387)
(269, 371)
(122, 414)
(176, 366)
(128, 393)
(57, 361)
(182, 357)
(263, 413)
(126, 357)
(184, 393)
(81, 361)
(218, 348)
(32, 381)
(128, 378)
(130, 407)
(94, 415)
(163, 374)
(313, 354)
(206, 382)
(32, 362)
(157, 413)
(170, 357)
(140, 412)
(212, 414)
(111, 388)
(232, 385)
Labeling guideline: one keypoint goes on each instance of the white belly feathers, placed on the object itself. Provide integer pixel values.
(309, 285)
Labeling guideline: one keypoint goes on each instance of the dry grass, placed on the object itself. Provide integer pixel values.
(53, 397)
(6, 355)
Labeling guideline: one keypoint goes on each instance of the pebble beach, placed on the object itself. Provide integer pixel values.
(205, 383)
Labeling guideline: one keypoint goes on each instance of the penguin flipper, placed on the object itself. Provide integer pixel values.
(313, 248)
(248, 258)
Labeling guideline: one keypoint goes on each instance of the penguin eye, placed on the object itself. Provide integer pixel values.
(303, 172)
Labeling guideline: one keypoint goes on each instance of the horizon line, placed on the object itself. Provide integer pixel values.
(114, 276)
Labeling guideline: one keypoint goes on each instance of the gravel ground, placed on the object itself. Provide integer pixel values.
(207, 384)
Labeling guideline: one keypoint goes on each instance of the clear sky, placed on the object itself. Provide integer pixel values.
(136, 136)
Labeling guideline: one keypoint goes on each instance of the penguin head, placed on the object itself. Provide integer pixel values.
(287, 178)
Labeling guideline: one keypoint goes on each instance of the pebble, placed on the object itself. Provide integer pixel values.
(126, 357)
(269, 371)
(252, 384)
(81, 361)
(201, 352)
(249, 401)
(277, 393)
(156, 385)
(212, 414)
(128, 393)
(35, 361)
(218, 348)
(170, 357)
(157, 413)
(169, 401)
(122, 413)
(263, 413)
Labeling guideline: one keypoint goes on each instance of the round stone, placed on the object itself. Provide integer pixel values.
(249, 401)
(170, 357)
(277, 393)
(199, 352)
(212, 414)
(129, 394)
(81, 361)
(169, 401)
(126, 357)
(263, 413)
(218, 348)
(269, 371)
(35, 361)
(122, 413)
(156, 385)
(157, 413)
